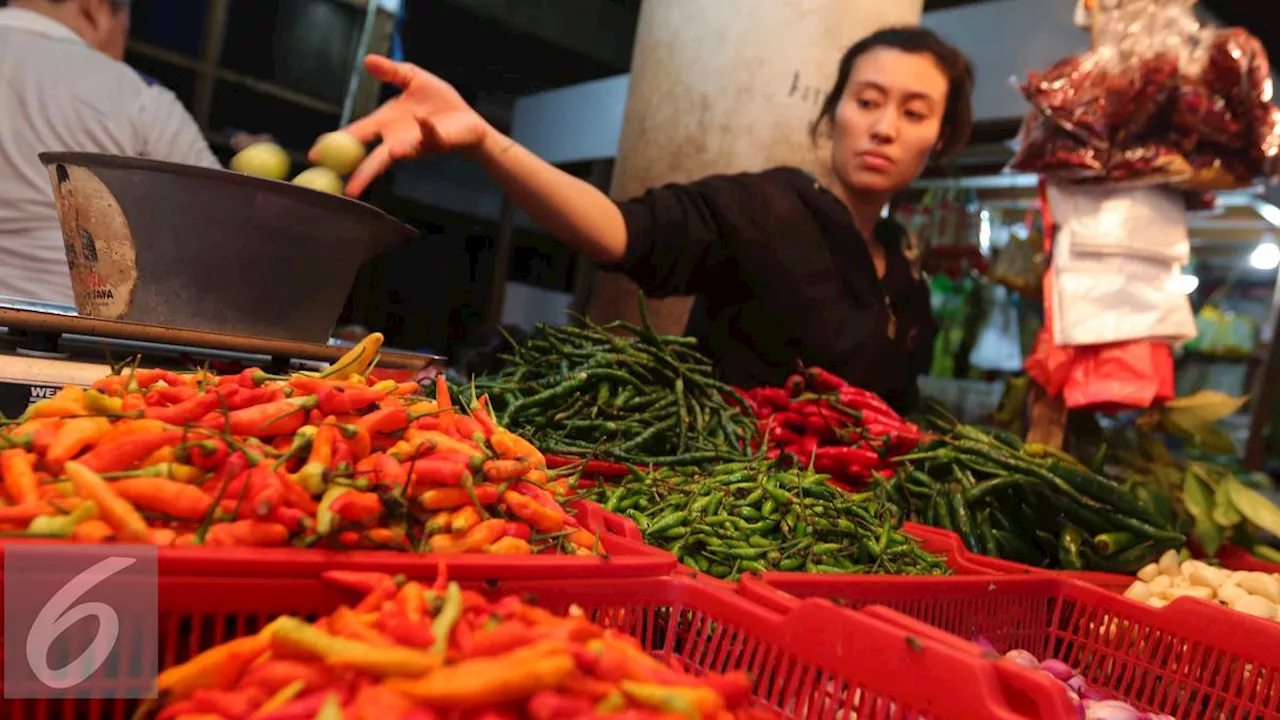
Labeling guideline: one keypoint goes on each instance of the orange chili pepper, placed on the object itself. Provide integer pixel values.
(127, 450)
(19, 473)
(122, 516)
(509, 545)
(479, 537)
(128, 428)
(164, 536)
(345, 622)
(76, 435)
(385, 421)
(92, 530)
(375, 702)
(26, 512)
(133, 403)
(444, 403)
(413, 601)
(511, 446)
(162, 495)
(540, 518)
(500, 471)
(464, 518)
(496, 680)
(455, 497)
(247, 533)
(217, 667)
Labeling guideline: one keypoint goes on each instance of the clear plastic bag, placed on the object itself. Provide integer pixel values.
(1046, 148)
(1157, 99)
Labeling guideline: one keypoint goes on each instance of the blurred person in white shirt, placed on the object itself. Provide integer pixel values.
(64, 86)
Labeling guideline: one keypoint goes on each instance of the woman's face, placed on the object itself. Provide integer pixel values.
(888, 120)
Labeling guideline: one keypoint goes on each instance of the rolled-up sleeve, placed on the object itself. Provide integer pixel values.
(678, 235)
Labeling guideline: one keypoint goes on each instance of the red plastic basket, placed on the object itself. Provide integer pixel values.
(1190, 659)
(972, 563)
(863, 666)
(621, 557)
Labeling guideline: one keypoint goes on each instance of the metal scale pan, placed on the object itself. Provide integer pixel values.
(191, 248)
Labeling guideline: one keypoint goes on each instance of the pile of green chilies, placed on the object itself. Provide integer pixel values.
(648, 399)
(755, 516)
(1028, 504)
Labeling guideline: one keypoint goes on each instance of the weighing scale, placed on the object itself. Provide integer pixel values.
(44, 347)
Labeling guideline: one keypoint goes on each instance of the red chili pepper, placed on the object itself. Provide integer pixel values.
(484, 416)
(170, 395)
(282, 417)
(385, 421)
(824, 381)
(382, 471)
(360, 581)
(357, 507)
(394, 623)
(795, 385)
(468, 427)
(518, 530)
(847, 455)
(340, 400)
(187, 411)
(435, 472)
(856, 398)
(208, 453)
(230, 704)
(775, 398)
(244, 398)
(783, 436)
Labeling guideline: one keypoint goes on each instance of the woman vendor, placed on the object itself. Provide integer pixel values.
(793, 268)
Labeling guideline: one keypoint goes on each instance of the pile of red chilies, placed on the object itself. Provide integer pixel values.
(832, 427)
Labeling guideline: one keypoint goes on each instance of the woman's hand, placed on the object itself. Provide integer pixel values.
(426, 118)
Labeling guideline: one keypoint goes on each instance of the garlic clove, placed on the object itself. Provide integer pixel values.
(1148, 572)
(1255, 605)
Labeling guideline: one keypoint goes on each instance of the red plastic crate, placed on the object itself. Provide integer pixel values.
(622, 557)
(863, 666)
(1191, 659)
(978, 564)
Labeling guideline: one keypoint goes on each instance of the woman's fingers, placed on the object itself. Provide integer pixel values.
(374, 164)
(388, 70)
(374, 125)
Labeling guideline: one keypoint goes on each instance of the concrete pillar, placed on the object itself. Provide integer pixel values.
(728, 86)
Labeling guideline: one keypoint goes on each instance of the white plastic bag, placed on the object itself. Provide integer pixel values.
(1117, 256)
(999, 344)
(1144, 222)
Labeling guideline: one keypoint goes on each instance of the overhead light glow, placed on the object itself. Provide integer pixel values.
(1266, 256)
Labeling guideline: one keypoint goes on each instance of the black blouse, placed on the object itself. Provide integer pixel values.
(786, 279)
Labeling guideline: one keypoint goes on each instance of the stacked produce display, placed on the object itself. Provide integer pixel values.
(814, 479)
(405, 650)
(587, 392)
(823, 423)
(258, 460)
(756, 516)
(1030, 504)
